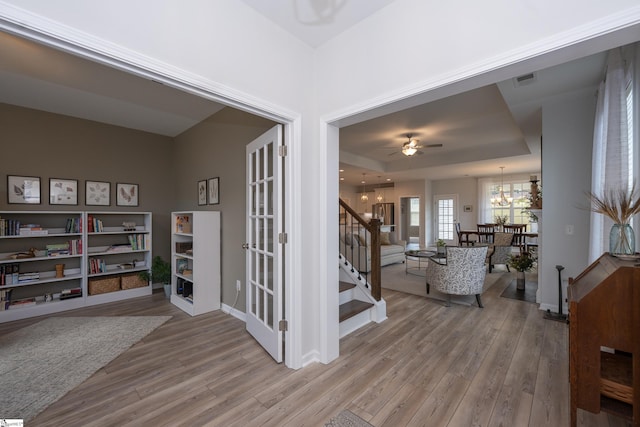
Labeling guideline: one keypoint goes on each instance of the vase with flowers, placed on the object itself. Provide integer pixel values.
(521, 263)
(619, 205)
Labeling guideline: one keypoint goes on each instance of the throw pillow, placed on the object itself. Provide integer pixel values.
(384, 238)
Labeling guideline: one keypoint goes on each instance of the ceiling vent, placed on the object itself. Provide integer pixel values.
(525, 79)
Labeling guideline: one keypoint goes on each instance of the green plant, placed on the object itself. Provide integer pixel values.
(522, 262)
(501, 220)
(160, 271)
(440, 243)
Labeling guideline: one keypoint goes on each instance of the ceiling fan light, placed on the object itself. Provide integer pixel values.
(409, 150)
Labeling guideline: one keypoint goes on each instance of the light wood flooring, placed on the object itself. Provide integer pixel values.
(427, 365)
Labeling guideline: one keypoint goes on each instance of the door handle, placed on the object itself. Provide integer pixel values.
(245, 246)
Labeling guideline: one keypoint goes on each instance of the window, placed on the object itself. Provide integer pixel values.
(516, 212)
(414, 209)
(445, 218)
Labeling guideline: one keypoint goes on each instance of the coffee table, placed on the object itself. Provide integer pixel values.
(419, 255)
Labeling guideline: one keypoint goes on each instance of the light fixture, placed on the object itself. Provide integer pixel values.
(502, 200)
(410, 147)
(380, 196)
(364, 197)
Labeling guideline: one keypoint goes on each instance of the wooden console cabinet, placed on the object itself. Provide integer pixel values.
(604, 339)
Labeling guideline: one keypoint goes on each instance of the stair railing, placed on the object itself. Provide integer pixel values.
(357, 237)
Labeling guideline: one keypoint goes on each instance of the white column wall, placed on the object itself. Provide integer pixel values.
(567, 126)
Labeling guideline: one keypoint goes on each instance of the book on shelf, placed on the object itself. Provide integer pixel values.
(57, 249)
(32, 230)
(5, 298)
(137, 242)
(120, 247)
(20, 303)
(9, 274)
(70, 293)
(74, 225)
(9, 227)
(28, 277)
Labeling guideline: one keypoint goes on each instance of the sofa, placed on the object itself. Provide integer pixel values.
(356, 248)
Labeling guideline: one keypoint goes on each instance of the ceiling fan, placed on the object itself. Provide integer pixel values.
(411, 147)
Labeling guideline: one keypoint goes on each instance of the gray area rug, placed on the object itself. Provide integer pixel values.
(528, 294)
(40, 363)
(347, 418)
(412, 281)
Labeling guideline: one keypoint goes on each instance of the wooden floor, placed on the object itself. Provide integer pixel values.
(427, 365)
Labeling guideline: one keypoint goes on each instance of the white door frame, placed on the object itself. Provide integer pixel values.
(53, 34)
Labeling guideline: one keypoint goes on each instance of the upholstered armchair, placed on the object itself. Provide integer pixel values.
(500, 250)
(463, 273)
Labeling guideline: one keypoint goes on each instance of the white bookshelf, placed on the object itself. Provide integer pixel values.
(122, 250)
(50, 228)
(195, 261)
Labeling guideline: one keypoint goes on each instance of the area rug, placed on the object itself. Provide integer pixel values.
(42, 362)
(528, 294)
(397, 278)
(347, 418)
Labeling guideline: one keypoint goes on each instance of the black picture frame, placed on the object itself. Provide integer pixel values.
(97, 193)
(202, 192)
(127, 194)
(23, 190)
(63, 191)
(214, 190)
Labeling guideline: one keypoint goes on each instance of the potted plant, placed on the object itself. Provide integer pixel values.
(521, 263)
(501, 221)
(160, 273)
(440, 244)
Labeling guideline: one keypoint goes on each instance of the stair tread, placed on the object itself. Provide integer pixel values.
(353, 307)
(345, 286)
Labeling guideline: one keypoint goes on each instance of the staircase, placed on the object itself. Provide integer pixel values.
(357, 306)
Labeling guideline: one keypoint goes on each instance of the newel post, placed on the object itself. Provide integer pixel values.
(376, 279)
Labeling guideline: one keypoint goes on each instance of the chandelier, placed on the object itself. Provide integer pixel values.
(501, 200)
(364, 197)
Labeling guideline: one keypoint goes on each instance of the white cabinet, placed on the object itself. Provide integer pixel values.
(195, 261)
(48, 260)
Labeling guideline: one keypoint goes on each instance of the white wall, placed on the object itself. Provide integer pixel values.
(414, 45)
(567, 126)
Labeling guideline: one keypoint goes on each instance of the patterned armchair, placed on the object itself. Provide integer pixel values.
(463, 274)
(501, 250)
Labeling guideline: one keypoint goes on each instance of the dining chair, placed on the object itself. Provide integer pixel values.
(485, 233)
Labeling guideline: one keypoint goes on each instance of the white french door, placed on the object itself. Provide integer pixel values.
(264, 251)
(446, 213)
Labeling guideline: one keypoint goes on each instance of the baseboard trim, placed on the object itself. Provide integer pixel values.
(234, 312)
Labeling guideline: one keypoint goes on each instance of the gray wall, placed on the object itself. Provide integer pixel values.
(216, 148)
(36, 143)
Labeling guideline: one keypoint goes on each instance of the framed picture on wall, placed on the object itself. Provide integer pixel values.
(214, 191)
(126, 194)
(23, 189)
(97, 193)
(202, 192)
(468, 208)
(63, 191)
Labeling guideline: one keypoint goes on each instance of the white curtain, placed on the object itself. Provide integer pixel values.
(485, 214)
(611, 152)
